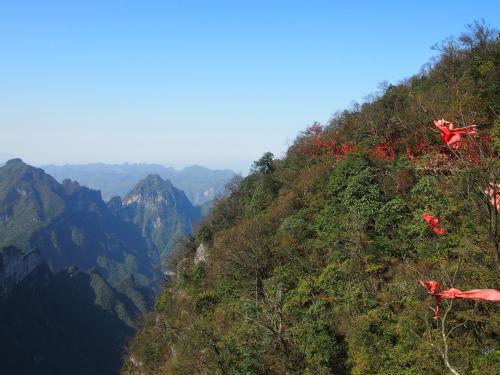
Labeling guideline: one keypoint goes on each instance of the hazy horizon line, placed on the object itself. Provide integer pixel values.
(178, 168)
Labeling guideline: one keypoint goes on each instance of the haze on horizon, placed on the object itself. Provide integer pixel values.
(214, 84)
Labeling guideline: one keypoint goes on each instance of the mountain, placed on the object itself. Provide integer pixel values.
(76, 273)
(4, 157)
(163, 212)
(15, 265)
(199, 183)
(69, 224)
(71, 322)
(311, 264)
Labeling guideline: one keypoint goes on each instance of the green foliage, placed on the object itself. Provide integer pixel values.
(354, 185)
(265, 164)
(314, 259)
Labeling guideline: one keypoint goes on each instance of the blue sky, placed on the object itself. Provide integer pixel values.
(215, 83)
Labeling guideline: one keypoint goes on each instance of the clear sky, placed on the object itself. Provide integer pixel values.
(215, 83)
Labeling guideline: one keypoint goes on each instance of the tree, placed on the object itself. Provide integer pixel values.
(265, 164)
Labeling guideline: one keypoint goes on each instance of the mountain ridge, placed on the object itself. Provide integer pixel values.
(199, 183)
(68, 223)
(84, 271)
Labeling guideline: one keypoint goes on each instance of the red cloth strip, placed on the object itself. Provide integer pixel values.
(432, 287)
(433, 223)
(453, 136)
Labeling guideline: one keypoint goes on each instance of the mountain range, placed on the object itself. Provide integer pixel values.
(70, 225)
(200, 184)
(76, 272)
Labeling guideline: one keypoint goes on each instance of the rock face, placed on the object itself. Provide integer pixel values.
(163, 212)
(201, 254)
(15, 265)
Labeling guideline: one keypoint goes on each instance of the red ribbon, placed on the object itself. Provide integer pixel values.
(451, 135)
(432, 287)
(433, 222)
(493, 192)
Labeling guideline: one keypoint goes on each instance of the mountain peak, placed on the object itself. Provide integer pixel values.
(153, 183)
(30, 200)
(200, 184)
(17, 168)
(16, 174)
(154, 204)
(15, 161)
(155, 178)
(151, 189)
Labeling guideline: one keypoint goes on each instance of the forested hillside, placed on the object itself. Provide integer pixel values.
(313, 260)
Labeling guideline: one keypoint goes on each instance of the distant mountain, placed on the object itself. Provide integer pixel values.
(70, 225)
(76, 273)
(55, 318)
(72, 322)
(199, 183)
(163, 212)
(4, 157)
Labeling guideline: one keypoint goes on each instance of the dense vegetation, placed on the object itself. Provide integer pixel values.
(314, 259)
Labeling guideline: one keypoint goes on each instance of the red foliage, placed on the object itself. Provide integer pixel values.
(345, 149)
(318, 142)
(474, 150)
(422, 147)
(385, 151)
(314, 130)
(321, 147)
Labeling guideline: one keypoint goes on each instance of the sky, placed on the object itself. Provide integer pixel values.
(213, 83)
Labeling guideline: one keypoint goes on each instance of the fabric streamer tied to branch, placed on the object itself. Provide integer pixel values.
(453, 136)
(432, 287)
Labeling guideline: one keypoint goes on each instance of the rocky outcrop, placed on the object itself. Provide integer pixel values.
(201, 254)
